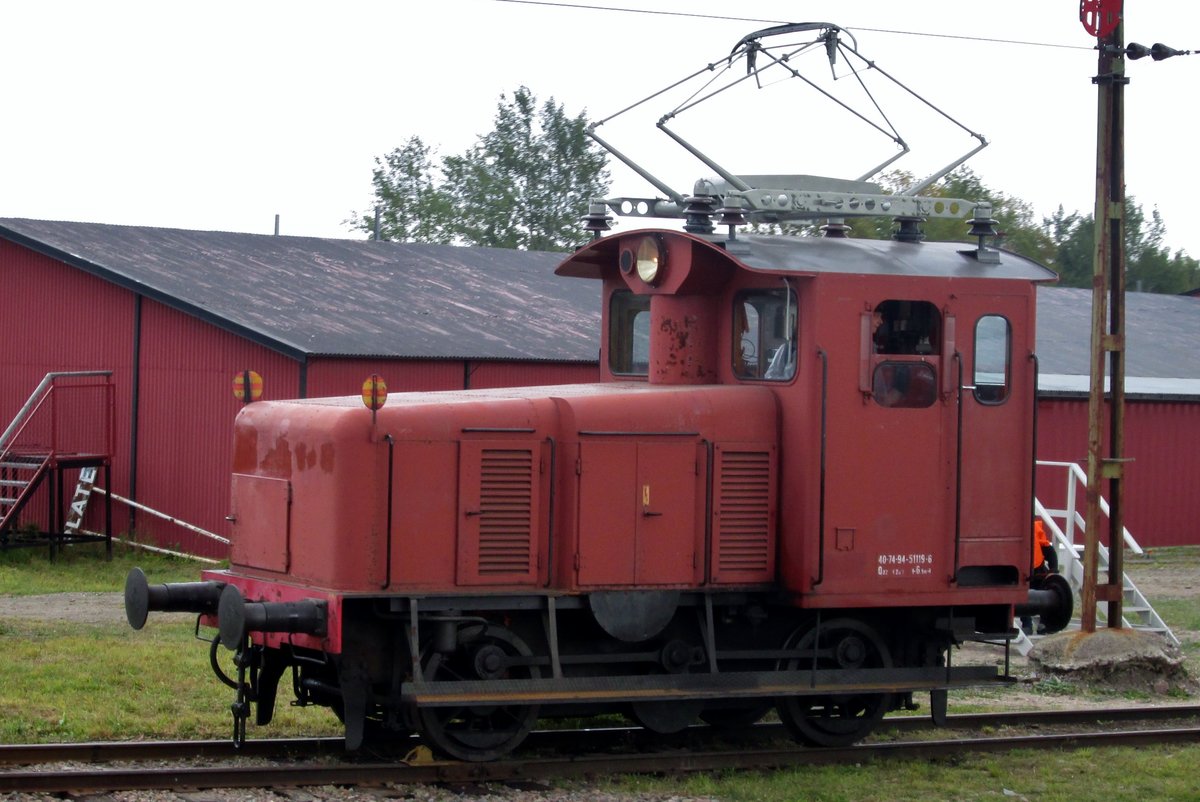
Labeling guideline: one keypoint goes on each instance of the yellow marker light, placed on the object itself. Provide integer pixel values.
(374, 392)
(247, 377)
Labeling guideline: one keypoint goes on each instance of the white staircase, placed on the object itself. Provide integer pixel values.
(1062, 526)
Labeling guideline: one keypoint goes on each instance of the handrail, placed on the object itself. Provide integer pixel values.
(1071, 516)
(36, 398)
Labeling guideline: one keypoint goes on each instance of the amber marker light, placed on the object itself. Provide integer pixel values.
(374, 392)
(247, 379)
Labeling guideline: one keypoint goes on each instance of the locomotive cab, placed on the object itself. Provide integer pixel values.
(905, 374)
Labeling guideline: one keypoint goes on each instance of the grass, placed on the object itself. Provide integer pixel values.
(1108, 775)
(83, 567)
(156, 683)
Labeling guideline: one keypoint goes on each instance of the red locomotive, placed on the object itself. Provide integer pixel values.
(805, 475)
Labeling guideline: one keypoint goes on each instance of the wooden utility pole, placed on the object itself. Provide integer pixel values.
(1108, 322)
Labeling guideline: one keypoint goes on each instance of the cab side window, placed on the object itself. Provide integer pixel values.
(629, 334)
(905, 329)
(993, 359)
(764, 335)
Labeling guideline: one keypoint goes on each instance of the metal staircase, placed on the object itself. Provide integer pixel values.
(66, 424)
(1062, 525)
(20, 475)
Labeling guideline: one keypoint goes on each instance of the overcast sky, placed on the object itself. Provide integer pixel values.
(220, 115)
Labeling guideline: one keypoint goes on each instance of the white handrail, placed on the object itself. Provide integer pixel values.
(164, 516)
(1071, 514)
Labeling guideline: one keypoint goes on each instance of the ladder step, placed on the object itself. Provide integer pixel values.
(13, 483)
(7, 502)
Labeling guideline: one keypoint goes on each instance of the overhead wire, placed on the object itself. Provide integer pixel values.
(758, 20)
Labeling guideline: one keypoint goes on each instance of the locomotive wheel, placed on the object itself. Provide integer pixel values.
(485, 731)
(836, 719)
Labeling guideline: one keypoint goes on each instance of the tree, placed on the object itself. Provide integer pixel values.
(524, 184)
(412, 208)
(1149, 265)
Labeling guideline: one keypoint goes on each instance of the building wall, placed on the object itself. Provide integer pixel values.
(185, 421)
(1162, 507)
(56, 318)
(184, 438)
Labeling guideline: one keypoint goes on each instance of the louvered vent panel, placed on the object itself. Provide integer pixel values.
(506, 507)
(744, 514)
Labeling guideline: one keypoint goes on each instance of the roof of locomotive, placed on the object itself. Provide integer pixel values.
(816, 255)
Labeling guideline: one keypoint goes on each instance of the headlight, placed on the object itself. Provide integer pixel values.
(650, 259)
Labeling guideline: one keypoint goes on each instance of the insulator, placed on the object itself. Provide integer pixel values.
(909, 230)
(982, 227)
(836, 229)
(597, 220)
(731, 213)
(1159, 51)
(1134, 51)
(697, 215)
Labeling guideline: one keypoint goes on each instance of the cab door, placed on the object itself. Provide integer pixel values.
(997, 400)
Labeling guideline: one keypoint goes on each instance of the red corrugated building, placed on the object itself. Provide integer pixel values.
(176, 314)
(1162, 414)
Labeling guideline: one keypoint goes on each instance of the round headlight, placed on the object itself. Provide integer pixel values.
(649, 259)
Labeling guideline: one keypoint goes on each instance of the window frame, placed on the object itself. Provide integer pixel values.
(790, 307)
(624, 309)
(976, 384)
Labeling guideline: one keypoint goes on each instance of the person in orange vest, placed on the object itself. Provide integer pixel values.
(1045, 558)
(1045, 561)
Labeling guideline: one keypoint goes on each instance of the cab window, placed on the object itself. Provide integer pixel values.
(629, 334)
(993, 359)
(904, 384)
(764, 335)
(907, 327)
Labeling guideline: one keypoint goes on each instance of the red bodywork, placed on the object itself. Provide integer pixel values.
(688, 476)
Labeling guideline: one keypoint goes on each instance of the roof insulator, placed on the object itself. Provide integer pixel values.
(697, 215)
(909, 230)
(835, 228)
(597, 220)
(982, 227)
(731, 215)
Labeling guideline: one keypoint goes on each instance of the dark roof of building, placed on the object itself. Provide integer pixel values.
(1162, 334)
(305, 296)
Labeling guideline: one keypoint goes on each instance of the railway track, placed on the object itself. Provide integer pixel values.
(281, 763)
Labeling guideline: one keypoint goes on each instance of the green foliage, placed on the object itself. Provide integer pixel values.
(412, 208)
(523, 185)
(1149, 265)
(83, 567)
